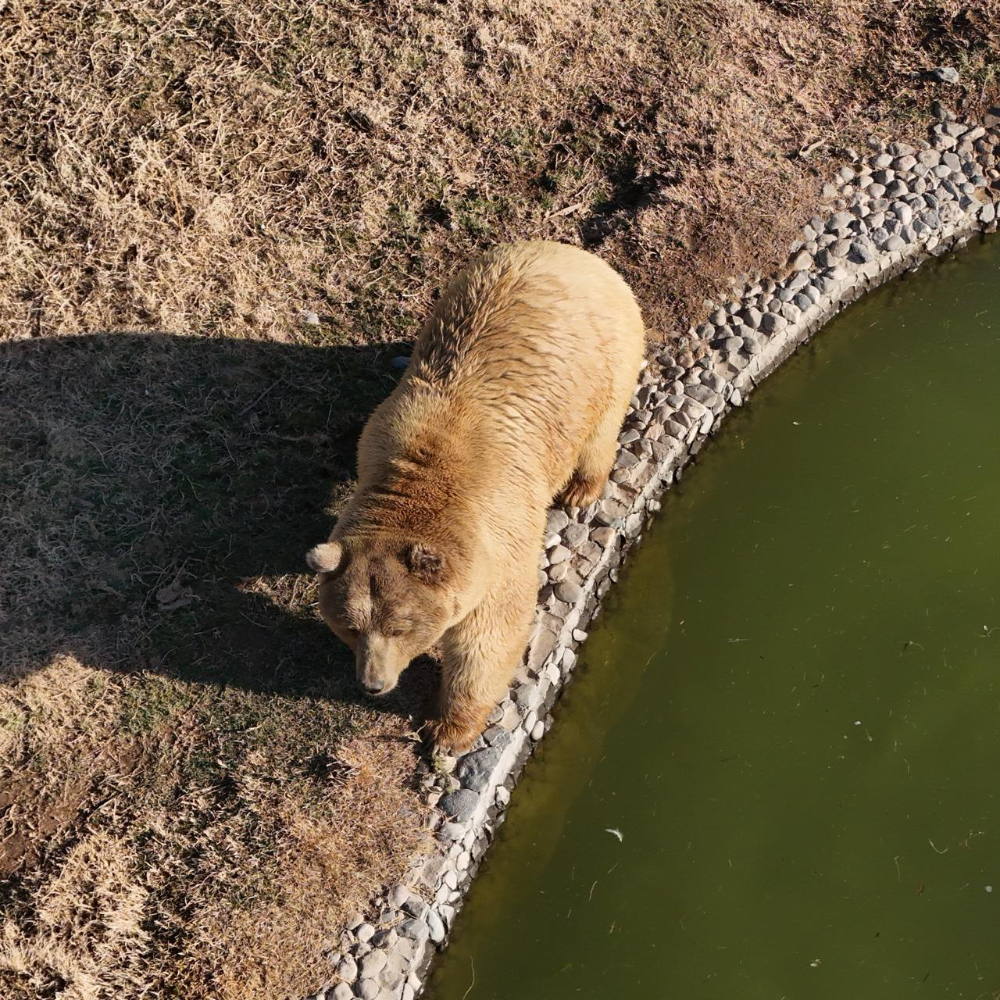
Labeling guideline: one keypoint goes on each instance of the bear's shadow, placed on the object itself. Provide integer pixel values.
(157, 495)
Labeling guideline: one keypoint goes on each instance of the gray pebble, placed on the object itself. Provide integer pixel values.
(802, 261)
(373, 963)
(415, 907)
(414, 929)
(364, 933)
(944, 74)
(496, 736)
(460, 804)
(839, 221)
(559, 553)
(568, 591)
(903, 212)
(557, 520)
(385, 938)
(367, 989)
(603, 535)
(860, 253)
(790, 311)
(701, 393)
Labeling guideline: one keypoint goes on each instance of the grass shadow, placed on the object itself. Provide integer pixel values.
(158, 494)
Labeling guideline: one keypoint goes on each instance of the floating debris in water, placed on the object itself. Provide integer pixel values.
(615, 833)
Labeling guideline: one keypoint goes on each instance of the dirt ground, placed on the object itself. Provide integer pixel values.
(192, 795)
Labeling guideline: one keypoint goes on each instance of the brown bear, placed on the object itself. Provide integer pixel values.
(515, 394)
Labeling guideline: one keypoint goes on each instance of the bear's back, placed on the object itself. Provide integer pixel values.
(523, 317)
(525, 353)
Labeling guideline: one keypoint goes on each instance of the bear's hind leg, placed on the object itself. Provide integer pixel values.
(481, 654)
(595, 462)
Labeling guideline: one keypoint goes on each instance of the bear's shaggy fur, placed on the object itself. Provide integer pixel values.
(515, 394)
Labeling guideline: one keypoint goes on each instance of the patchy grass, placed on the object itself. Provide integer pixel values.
(190, 794)
(191, 797)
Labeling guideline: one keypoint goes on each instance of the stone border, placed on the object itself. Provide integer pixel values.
(890, 210)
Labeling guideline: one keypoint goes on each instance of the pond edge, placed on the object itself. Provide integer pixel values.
(921, 201)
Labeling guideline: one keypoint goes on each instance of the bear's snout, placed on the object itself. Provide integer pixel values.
(378, 664)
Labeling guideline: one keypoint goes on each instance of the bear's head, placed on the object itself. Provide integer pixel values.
(389, 598)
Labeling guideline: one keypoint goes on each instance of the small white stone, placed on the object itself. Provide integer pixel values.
(368, 989)
(347, 969)
(373, 963)
(436, 927)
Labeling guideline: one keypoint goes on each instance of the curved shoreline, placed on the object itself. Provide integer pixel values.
(890, 210)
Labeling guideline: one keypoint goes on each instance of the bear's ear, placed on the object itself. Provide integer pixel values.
(325, 558)
(425, 563)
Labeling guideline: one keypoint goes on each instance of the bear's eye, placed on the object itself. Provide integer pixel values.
(396, 629)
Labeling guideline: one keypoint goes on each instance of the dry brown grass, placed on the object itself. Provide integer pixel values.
(190, 795)
(218, 166)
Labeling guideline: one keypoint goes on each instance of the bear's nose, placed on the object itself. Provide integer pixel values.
(373, 689)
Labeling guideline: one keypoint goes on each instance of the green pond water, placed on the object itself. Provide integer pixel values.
(790, 707)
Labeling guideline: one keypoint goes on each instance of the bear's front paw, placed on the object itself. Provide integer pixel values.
(581, 492)
(451, 738)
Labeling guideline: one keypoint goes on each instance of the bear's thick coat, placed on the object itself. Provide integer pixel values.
(514, 395)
